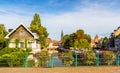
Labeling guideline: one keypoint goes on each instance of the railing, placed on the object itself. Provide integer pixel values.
(53, 62)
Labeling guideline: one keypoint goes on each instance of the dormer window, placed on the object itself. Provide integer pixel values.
(21, 33)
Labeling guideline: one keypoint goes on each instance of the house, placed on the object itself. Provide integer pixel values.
(52, 45)
(94, 42)
(115, 39)
(116, 35)
(27, 38)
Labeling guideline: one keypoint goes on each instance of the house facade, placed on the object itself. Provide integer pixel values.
(52, 45)
(116, 35)
(115, 39)
(26, 38)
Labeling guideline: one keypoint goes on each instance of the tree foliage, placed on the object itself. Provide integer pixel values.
(44, 58)
(105, 39)
(77, 40)
(80, 34)
(67, 58)
(13, 56)
(87, 37)
(82, 44)
(90, 57)
(36, 25)
(108, 57)
(3, 33)
(69, 40)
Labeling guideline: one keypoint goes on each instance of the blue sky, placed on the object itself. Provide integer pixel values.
(94, 16)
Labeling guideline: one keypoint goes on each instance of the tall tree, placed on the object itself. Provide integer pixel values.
(104, 41)
(79, 34)
(68, 40)
(87, 37)
(77, 40)
(3, 33)
(36, 25)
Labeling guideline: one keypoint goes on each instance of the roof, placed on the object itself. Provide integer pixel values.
(116, 32)
(55, 42)
(10, 30)
(34, 31)
(48, 40)
(7, 36)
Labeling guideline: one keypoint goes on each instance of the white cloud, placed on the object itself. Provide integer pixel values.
(11, 21)
(94, 19)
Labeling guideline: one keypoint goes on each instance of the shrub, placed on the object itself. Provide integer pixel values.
(28, 49)
(30, 63)
(108, 57)
(67, 58)
(9, 59)
(89, 57)
(13, 56)
(19, 57)
(44, 58)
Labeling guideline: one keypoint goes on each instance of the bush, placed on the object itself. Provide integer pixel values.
(8, 58)
(44, 58)
(67, 58)
(89, 57)
(30, 63)
(108, 57)
(28, 49)
(13, 56)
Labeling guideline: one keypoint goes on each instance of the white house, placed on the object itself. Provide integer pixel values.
(27, 38)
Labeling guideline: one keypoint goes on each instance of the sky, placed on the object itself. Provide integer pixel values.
(100, 17)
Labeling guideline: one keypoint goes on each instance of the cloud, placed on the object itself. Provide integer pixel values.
(94, 20)
(93, 16)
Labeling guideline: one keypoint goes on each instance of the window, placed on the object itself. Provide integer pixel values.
(30, 44)
(12, 45)
(21, 33)
(21, 44)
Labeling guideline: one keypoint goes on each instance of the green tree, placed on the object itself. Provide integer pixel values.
(69, 40)
(36, 25)
(87, 37)
(77, 40)
(7, 42)
(80, 34)
(82, 44)
(3, 33)
(104, 41)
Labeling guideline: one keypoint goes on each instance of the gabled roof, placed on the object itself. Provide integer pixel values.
(116, 32)
(7, 36)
